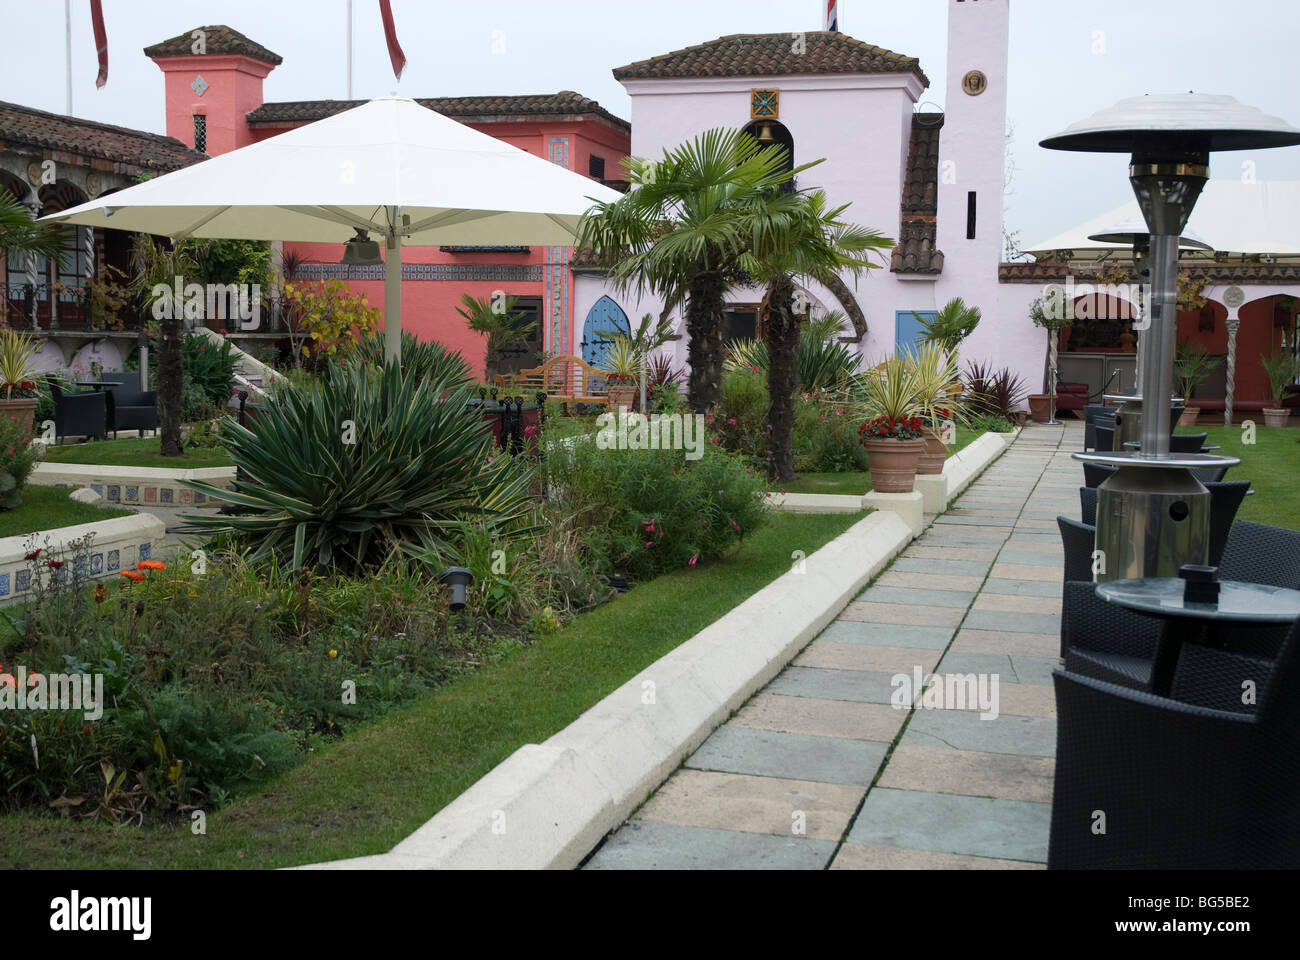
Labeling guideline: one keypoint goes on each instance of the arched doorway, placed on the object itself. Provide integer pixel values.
(605, 320)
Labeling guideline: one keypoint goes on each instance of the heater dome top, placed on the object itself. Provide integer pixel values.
(1136, 231)
(1213, 121)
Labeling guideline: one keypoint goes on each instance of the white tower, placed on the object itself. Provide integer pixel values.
(972, 145)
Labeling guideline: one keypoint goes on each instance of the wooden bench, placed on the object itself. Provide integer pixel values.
(566, 379)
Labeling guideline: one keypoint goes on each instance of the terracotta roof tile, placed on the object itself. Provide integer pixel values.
(1055, 271)
(217, 39)
(917, 250)
(565, 103)
(134, 150)
(772, 54)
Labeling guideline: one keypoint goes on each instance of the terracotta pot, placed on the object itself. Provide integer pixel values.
(23, 410)
(893, 464)
(1188, 417)
(1038, 406)
(933, 455)
(621, 395)
(1275, 417)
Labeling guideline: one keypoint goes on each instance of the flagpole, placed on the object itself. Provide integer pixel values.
(349, 49)
(67, 49)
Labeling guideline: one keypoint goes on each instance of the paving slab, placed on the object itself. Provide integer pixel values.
(1014, 622)
(931, 581)
(860, 656)
(1009, 669)
(899, 614)
(993, 601)
(789, 756)
(821, 684)
(1023, 588)
(889, 634)
(915, 596)
(962, 730)
(970, 773)
(647, 845)
(965, 568)
(973, 826)
(1044, 645)
(1039, 558)
(846, 719)
(727, 801)
(864, 856)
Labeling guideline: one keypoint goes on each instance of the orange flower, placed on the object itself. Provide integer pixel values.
(151, 565)
(100, 592)
(133, 576)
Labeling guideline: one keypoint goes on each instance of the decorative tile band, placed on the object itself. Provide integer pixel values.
(505, 272)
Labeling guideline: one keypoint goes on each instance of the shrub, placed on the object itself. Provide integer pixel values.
(740, 420)
(421, 359)
(18, 456)
(362, 465)
(209, 370)
(824, 362)
(997, 393)
(643, 512)
(825, 439)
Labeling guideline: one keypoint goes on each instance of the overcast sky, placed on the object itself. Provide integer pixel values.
(1068, 59)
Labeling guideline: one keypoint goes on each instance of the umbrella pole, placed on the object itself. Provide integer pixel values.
(393, 296)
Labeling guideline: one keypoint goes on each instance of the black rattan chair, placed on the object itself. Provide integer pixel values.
(1225, 500)
(1088, 503)
(1186, 442)
(1255, 553)
(1103, 437)
(1095, 473)
(1181, 786)
(1094, 416)
(1078, 541)
(129, 407)
(78, 414)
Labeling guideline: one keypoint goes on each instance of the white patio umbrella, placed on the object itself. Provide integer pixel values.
(389, 167)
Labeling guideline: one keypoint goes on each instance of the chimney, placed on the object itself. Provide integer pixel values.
(213, 78)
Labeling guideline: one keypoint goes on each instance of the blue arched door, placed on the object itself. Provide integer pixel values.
(605, 319)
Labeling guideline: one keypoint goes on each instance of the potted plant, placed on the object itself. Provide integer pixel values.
(893, 431)
(18, 393)
(621, 368)
(1191, 366)
(1282, 369)
(1052, 317)
(938, 383)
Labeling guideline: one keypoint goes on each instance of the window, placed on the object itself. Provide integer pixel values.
(739, 321)
(200, 132)
(970, 215)
(523, 354)
(596, 167)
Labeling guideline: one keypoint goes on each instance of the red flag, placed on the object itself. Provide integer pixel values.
(390, 34)
(101, 41)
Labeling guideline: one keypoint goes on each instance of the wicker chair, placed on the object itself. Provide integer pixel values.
(1088, 505)
(1093, 417)
(129, 407)
(1103, 437)
(1078, 540)
(1181, 786)
(78, 414)
(1095, 473)
(1187, 442)
(1255, 553)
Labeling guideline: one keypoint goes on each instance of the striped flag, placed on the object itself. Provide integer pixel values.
(101, 41)
(832, 16)
(390, 34)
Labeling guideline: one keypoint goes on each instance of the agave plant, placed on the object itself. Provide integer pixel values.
(824, 363)
(362, 465)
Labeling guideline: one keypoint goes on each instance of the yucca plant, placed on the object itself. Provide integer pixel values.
(937, 380)
(16, 352)
(622, 364)
(823, 364)
(888, 390)
(363, 465)
(422, 360)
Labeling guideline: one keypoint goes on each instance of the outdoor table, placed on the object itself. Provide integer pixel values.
(97, 384)
(1239, 604)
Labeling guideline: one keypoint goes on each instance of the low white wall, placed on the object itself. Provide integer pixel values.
(149, 486)
(120, 542)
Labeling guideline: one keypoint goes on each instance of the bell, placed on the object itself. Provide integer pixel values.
(765, 134)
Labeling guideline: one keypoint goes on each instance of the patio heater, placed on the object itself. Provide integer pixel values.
(1135, 234)
(1153, 514)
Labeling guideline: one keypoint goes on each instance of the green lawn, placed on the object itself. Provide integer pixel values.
(1271, 464)
(856, 481)
(134, 453)
(362, 795)
(45, 508)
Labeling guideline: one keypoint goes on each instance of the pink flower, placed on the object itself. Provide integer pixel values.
(529, 431)
(731, 422)
(735, 526)
(649, 545)
(694, 557)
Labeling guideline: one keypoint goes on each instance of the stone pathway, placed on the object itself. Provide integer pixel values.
(820, 770)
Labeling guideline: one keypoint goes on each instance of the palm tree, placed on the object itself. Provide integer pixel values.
(795, 236)
(156, 264)
(951, 325)
(21, 236)
(681, 231)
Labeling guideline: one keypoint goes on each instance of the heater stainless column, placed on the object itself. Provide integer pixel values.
(1153, 515)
